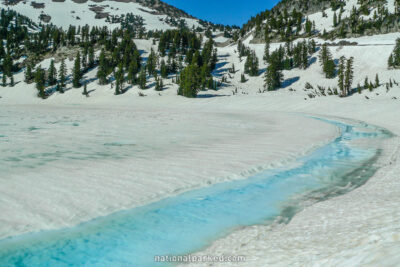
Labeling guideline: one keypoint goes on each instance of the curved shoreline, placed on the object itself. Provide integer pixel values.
(323, 153)
(269, 245)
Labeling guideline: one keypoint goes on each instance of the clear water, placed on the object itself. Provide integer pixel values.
(191, 221)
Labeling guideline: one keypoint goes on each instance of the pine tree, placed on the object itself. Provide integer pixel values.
(335, 19)
(8, 65)
(266, 52)
(85, 56)
(142, 78)
(304, 56)
(102, 69)
(273, 75)
(308, 27)
(243, 78)
(390, 61)
(28, 73)
(132, 72)
(366, 83)
(91, 56)
(327, 63)
(151, 62)
(119, 79)
(341, 74)
(159, 84)
(190, 81)
(232, 69)
(85, 92)
(164, 69)
(377, 83)
(4, 80)
(62, 76)
(371, 87)
(51, 77)
(40, 82)
(251, 64)
(349, 75)
(77, 73)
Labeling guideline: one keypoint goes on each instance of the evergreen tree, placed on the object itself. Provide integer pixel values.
(304, 56)
(132, 71)
(190, 81)
(28, 73)
(390, 61)
(341, 74)
(85, 92)
(327, 63)
(335, 19)
(119, 79)
(62, 74)
(266, 51)
(243, 78)
(8, 65)
(232, 69)
(151, 62)
(142, 78)
(349, 75)
(52, 73)
(377, 83)
(159, 84)
(85, 56)
(308, 27)
(40, 82)
(102, 69)
(91, 56)
(77, 73)
(330, 69)
(366, 83)
(164, 69)
(371, 87)
(273, 75)
(251, 64)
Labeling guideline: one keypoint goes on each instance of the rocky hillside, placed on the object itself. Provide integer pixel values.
(292, 19)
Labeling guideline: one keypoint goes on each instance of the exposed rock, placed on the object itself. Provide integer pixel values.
(45, 18)
(101, 15)
(37, 5)
(11, 2)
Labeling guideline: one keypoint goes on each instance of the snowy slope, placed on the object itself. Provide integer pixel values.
(70, 12)
(326, 22)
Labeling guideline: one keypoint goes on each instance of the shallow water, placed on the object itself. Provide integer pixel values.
(189, 222)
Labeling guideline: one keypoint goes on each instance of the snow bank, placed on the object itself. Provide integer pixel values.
(65, 164)
(359, 228)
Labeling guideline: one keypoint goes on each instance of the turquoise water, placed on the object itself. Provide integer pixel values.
(189, 222)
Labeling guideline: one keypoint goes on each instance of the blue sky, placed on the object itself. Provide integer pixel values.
(232, 12)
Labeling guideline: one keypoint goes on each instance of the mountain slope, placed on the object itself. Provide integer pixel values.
(291, 19)
(156, 15)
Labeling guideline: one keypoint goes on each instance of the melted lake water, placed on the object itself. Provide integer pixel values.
(191, 221)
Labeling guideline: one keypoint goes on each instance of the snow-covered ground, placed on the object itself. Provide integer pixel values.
(69, 12)
(69, 158)
(360, 228)
(64, 164)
